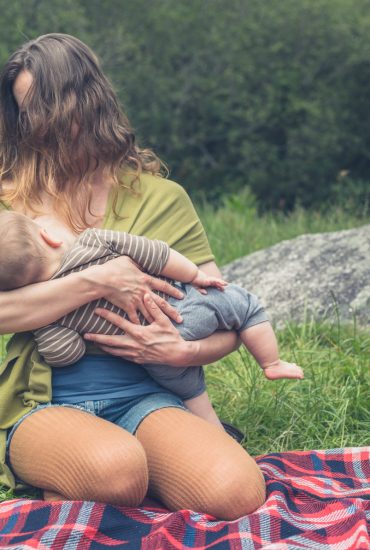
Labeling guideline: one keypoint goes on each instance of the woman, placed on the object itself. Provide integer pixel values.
(68, 156)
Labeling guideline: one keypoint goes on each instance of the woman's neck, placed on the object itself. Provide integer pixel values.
(101, 182)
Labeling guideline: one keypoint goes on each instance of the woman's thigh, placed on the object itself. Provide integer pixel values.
(194, 464)
(80, 456)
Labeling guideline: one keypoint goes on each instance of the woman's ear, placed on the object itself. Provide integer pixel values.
(49, 240)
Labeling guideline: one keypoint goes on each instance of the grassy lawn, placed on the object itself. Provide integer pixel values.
(236, 229)
(329, 408)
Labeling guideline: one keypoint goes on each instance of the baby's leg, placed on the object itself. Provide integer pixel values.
(260, 341)
(202, 406)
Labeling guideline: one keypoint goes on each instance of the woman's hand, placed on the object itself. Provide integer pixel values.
(125, 286)
(158, 343)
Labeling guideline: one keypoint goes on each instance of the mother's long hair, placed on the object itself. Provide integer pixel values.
(69, 124)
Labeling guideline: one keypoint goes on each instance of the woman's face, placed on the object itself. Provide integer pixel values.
(21, 86)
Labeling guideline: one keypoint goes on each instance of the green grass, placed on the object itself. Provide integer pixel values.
(329, 408)
(236, 229)
(3, 341)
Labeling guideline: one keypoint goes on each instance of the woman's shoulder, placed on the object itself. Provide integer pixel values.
(157, 185)
(152, 195)
(162, 209)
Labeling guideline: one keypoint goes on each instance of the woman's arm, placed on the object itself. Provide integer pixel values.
(160, 342)
(37, 305)
(153, 256)
(119, 281)
(221, 343)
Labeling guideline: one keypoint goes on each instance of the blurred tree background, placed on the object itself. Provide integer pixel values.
(272, 95)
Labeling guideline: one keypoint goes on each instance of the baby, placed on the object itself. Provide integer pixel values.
(29, 254)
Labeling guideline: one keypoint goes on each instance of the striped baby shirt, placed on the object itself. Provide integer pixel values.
(61, 343)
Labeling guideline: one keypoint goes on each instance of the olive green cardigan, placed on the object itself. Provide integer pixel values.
(25, 381)
(158, 209)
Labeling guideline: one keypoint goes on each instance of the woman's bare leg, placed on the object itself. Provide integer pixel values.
(193, 464)
(80, 457)
(202, 406)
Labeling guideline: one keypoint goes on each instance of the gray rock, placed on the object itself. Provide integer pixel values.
(312, 276)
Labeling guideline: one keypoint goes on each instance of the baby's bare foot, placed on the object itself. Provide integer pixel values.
(282, 369)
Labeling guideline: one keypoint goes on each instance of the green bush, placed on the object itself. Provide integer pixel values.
(271, 95)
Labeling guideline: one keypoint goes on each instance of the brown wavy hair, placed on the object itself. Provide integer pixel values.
(70, 124)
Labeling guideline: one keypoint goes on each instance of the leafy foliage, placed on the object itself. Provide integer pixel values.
(271, 95)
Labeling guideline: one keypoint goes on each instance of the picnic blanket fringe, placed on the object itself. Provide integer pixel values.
(316, 499)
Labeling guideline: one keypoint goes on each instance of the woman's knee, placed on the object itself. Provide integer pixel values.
(235, 487)
(80, 456)
(117, 473)
(194, 464)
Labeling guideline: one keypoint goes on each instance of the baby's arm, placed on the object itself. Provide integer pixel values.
(60, 346)
(157, 258)
(179, 268)
(151, 255)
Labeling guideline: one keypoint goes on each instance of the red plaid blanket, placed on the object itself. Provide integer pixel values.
(316, 499)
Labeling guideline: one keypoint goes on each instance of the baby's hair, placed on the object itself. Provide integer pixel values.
(20, 254)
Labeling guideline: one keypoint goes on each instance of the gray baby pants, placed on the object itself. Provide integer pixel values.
(232, 309)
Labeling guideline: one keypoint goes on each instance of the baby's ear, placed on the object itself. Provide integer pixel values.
(49, 239)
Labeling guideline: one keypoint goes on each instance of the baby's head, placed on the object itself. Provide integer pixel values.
(22, 254)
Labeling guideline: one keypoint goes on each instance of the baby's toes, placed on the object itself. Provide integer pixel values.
(300, 372)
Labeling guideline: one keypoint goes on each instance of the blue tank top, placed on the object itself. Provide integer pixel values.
(96, 377)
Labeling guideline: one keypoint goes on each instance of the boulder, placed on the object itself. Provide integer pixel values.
(315, 276)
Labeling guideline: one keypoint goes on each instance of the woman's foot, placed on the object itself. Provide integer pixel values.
(282, 369)
(51, 496)
(233, 431)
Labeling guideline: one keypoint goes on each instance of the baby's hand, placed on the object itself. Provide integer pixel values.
(202, 280)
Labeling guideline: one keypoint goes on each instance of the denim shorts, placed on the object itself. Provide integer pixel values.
(127, 412)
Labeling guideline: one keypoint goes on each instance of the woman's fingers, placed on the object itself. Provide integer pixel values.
(154, 343)
(124, 324)
(153, 308)
(162, 306)
(164, 286)
(144, 312)
(106, 339)
(126, 286)
(132, 315)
